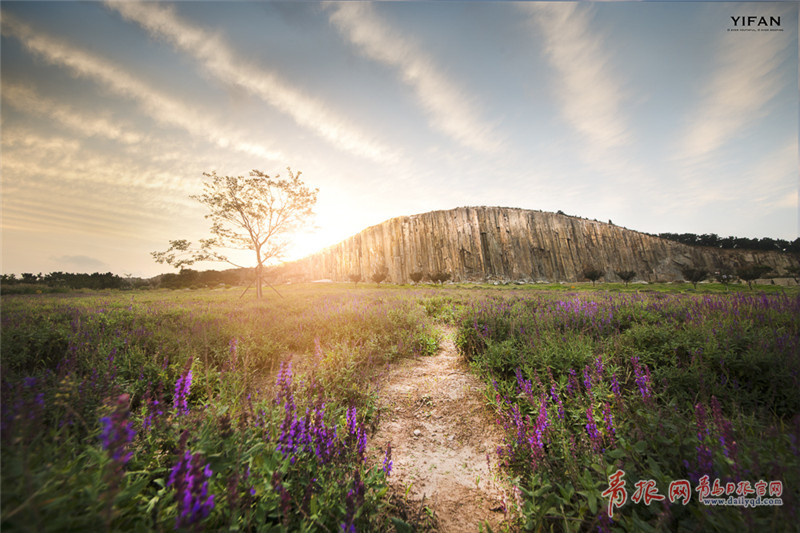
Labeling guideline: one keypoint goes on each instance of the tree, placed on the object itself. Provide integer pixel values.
(380, 274)
(626, 275)
(256, 213)
(751, 273)
(694, 275)
(592, 274)
(440, 277)
(416, 277)
(355, 278)
(724, 275)
(793, 271)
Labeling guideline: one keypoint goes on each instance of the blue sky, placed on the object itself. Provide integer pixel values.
(653, 115)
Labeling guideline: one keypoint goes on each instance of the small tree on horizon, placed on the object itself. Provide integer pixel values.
(794, 273)
(592, 274)
(626, 275)
(440, 277)
(355, 278)
(257, 213)
(694, 275)
(416, 277)
(380, 274)
(750, 273)
(724, 276)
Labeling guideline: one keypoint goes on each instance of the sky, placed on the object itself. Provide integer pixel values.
(661, 117)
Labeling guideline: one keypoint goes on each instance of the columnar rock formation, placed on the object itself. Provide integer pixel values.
(496, 243)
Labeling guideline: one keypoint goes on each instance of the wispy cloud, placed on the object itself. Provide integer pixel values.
(591, 98)
(449, 109)
(158, 106)
(25, 98)
(220, 60)
(738, 92)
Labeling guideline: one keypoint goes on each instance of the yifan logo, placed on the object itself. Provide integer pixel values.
(755, 23)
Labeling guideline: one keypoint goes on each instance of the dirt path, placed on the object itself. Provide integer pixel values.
(443, 441)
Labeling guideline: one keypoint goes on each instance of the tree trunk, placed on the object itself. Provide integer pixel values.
(259, 270)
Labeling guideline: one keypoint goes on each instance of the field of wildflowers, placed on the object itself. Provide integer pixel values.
(200, 410)
(621, 410)
(163, 411)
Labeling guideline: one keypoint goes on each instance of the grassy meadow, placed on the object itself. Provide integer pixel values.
(204, 410)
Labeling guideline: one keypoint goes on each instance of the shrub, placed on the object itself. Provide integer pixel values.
(694, 275)
(626, 275)
(592, 274)
(380, 274)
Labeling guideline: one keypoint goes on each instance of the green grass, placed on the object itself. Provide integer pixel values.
(81, 369)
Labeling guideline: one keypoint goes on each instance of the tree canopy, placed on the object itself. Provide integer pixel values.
(258, 213)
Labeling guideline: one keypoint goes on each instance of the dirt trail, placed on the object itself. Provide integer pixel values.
(441, 433)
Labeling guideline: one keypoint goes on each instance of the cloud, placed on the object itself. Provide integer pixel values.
(772, 180)
(81, 261)
(448, 108)
(590, 96)
(26, 99)
(737, 93)
(218, 58)
(158, 106)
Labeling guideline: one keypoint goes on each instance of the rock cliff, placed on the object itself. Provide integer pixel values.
(496, 243)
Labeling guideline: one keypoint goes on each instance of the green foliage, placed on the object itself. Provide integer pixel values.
(592, 274)
(440, 277)
(380, 274)
(67, 360)
(694, 275)
(691, 383)
(662, 387)
(625, 275)
(750, 273)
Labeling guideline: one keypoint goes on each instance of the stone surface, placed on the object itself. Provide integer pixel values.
(509, 244)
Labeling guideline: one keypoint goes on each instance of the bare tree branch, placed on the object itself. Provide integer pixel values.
(255, 213)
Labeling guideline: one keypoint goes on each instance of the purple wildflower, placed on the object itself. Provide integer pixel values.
(387, 460)
(609, 419)
(725, 428)
(587, 380)
(591, 430)
(182, 388)
(557, 400)
(642, 377)
(598, 367)
(190, 480)
(615, 387)
(353, 501)
(572, 382)
(117, 432)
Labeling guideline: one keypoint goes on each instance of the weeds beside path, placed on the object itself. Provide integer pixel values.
(443, 441)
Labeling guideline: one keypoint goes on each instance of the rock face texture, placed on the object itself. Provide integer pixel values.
(497, 243)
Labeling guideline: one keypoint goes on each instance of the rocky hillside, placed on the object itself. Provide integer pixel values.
(497, 243)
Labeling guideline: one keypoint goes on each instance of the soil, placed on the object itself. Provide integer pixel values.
(444, 441)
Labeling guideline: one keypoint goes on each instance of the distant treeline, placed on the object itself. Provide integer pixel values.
(67, 280)
(186, 278)
(738, 243)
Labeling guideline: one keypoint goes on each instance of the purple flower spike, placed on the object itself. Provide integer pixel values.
(190, 479)
(182, 388)
(387, 460)
(117, 432)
